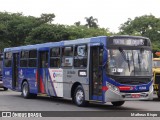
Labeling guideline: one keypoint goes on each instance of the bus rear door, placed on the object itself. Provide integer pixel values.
(15, 65)
(42, 71)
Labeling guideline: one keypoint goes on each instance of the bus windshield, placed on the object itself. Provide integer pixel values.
(124, 62)
(156, 63)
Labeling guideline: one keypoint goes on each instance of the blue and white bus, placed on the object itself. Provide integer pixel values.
(101, 69)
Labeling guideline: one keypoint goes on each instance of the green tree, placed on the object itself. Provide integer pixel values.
(47, 33)
(91, 22)
(14, 28)
(17, 30)
(76, 32)
(47, 18)
(147, 26)
(77, 23)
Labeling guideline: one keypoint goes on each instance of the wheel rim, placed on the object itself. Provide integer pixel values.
(79, 96)
(25, 90)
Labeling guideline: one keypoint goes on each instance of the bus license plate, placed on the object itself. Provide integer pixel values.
(135, 95)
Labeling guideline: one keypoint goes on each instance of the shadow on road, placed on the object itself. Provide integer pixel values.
(93, 106)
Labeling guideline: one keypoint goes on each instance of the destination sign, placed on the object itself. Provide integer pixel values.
(135, 42)
(129, 42)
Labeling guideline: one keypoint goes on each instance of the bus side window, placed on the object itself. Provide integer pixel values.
(67, 56)
(8, 59)
(55, 57)
(32, 61)
(24, 59)
(80, 56)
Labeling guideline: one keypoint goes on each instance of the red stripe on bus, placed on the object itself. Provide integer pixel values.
(104, 88)
(124, 87)
(42, 90)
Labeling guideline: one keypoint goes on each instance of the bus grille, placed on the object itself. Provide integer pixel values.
(133, 81)
(157, 78)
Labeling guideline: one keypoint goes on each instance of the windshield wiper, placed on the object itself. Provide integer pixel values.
(124, 56)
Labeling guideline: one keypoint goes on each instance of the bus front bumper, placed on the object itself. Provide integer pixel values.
(113, 96)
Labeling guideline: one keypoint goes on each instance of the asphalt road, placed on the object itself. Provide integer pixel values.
(13, 101)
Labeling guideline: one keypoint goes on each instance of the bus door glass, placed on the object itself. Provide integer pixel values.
(15, 65)
(42, 72)
(96, 71)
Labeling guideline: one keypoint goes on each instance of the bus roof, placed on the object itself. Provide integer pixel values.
(54, 44)
(124, 36)
(66, 42)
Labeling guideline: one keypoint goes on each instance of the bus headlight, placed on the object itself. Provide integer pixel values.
(112, 87)
(151, 88)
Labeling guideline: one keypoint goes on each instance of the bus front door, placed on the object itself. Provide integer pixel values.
(15, 70)
(96, 77)
(42, 72)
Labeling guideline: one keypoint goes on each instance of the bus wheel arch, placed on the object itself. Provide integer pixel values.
(25, 89)
(78, 95)
(25, 80)
(74, 86)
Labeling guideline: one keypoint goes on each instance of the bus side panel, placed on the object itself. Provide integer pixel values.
(72, 76)
(21, 77)
(7, 77)
(51, 81)
(55, 83)
(30, 75)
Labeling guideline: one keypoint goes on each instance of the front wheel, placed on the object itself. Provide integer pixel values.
(79, 96)
(118, 103)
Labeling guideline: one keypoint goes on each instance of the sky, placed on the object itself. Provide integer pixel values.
(110, 13)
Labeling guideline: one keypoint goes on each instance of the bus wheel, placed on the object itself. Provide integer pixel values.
(118, 103)
(79, 97)
(25, 90)
(5, 89)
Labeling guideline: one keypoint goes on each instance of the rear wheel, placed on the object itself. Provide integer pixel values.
(25, 90)
(118, 103)
(79, 96)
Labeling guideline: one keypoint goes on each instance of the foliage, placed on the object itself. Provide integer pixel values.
(91, 22)
(47, 33)
(77, 23)
(14, 28)
(147, 26)
(85, 32)
(17, 29)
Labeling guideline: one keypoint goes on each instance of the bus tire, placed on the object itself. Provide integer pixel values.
(5, 89)
(25, 90)
(79, 96)
(118, 103)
